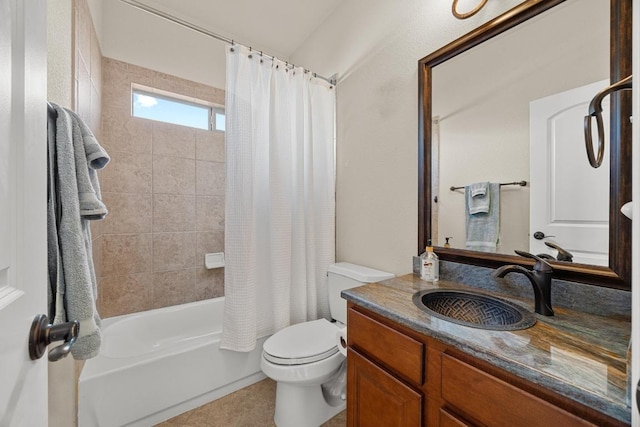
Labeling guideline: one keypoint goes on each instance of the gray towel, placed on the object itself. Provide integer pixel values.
(483, 228)
(71, 274)
(478, 197)
(89, 156)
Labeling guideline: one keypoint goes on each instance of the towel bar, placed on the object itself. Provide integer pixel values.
(520, 183)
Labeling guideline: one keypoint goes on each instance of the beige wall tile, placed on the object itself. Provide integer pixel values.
(178, 85)
(209, 213)
(210, 178)
(95, 66)
(210, 146)
(97, 228)
(83, 96)
(125, 294)
(173, 175)
(141, 75)
(126, 253)
(127, 173)
(208, 242)
(96, 248)
(174, 140)
(174, 287)
(128, 213)
(154, 196)
(174, 213)
(209, 283)
(126, 133)
(173, 251)
(116, 87)
(84, 28)
(95, 113)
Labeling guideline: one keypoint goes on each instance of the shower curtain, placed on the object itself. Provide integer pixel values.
(280, 197)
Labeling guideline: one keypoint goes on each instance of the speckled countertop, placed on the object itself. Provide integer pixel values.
(581, 356)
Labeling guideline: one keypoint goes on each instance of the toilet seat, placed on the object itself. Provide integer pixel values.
(303, 343)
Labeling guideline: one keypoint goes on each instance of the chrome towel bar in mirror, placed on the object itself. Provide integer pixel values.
(595, 110)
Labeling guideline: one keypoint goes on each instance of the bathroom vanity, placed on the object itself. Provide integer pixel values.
(408, 368)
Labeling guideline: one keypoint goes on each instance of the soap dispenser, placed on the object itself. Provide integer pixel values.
(429, 265)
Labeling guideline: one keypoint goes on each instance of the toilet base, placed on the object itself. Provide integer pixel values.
(303, 406)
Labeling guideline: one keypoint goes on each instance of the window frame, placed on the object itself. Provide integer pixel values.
(213, 108)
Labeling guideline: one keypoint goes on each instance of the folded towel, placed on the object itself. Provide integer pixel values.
(483, 228)
(478, 198)
(89, 156)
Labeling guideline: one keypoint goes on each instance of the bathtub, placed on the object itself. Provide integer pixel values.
(160, 363)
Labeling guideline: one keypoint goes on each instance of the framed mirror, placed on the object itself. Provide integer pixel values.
(480, 103)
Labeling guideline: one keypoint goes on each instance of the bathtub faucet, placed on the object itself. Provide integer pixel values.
(540, 278)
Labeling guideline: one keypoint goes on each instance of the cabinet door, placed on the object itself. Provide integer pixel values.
(376, 398)
(447, 419)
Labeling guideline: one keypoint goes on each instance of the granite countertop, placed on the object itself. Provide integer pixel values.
(579, 355)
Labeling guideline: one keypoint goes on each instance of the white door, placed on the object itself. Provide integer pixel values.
(23, 198)
(569, 199)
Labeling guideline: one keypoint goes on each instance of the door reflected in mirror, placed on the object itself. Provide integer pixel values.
(506, 103)
(512, 109)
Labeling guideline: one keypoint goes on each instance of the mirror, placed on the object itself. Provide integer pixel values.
(483, 103)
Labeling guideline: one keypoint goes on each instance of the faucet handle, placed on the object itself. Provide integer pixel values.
(563, 254)
(541, 265)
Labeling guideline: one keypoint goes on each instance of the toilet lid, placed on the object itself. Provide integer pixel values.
(302, 343)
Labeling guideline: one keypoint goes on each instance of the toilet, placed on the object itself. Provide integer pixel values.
(303, 357)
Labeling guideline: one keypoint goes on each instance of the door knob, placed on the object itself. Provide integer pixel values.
(43, 333)
(638, 395)
(539, 235)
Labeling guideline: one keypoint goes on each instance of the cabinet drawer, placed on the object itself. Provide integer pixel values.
(494, 402)
(399, 353)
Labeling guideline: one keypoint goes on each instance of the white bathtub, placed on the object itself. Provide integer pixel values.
(160, 363)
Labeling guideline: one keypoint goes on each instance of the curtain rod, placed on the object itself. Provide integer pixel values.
(198, 29)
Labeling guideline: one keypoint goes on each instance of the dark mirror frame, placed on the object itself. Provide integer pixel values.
(618, 273)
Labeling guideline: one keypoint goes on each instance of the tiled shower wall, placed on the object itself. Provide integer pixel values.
(164, 189)
(87, 86)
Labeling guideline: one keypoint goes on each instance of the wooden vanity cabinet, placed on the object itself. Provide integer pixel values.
(398, 377)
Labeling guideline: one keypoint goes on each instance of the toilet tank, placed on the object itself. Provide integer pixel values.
(344, 275)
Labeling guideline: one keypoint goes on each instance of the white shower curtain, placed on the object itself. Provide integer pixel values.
(280, 198)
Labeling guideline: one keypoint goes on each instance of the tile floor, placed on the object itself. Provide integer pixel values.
(251, 406)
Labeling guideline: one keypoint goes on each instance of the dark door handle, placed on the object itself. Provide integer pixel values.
(638, 395)
(43, 333)
(539, 235)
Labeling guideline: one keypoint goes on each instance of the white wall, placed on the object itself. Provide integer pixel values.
(59, 52)
(374, 46)
(95, 8)
(482, 98)
(134, 36)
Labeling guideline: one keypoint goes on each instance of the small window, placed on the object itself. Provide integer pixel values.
(153, 104)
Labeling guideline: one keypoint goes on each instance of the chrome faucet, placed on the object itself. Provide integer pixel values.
(540, 278)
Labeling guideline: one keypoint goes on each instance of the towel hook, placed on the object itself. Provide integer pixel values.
(595, 110)
(454, 10)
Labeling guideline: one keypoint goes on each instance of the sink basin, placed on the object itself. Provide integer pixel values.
(474, 310)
